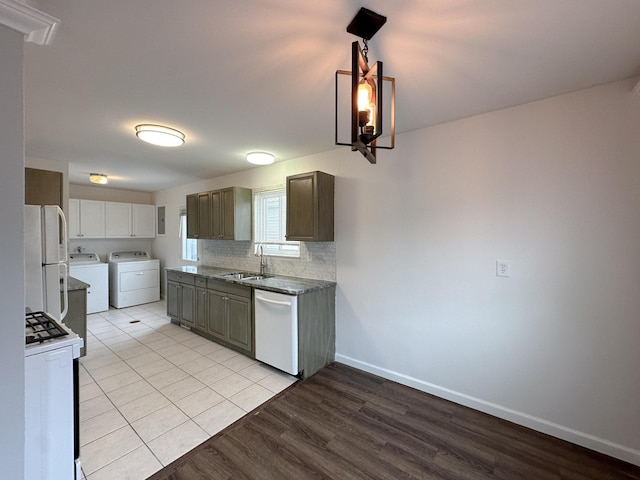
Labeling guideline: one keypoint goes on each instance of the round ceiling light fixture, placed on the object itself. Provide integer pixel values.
(99, 178)
(159, 135)
(260, 158)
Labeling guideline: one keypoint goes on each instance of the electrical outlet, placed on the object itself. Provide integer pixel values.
(503, 268)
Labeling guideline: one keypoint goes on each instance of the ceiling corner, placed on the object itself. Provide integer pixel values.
(37, 26)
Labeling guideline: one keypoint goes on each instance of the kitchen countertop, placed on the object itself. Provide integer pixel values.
(75, 284)
(272, 283)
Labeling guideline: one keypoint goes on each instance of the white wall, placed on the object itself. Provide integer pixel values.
(108, 194)
(553, 187)
(11, 254)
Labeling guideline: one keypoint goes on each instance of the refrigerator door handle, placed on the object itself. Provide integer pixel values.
(65, 292)
(65, 237)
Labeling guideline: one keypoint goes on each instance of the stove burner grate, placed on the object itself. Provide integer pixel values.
(41, 327)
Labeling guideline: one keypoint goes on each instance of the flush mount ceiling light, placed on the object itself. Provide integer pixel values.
(260, 158)
(99, 178)
(159, 135)
(366, 92)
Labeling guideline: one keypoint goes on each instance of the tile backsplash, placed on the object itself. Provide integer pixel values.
(317, 259)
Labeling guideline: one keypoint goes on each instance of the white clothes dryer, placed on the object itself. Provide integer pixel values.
(134, 279)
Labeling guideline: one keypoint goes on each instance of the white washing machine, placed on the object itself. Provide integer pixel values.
(88, 268)
(134, 278)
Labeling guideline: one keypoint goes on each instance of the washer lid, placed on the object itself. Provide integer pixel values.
(83, 258)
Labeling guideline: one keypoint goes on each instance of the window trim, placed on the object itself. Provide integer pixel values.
(182, 234)
(282, 247)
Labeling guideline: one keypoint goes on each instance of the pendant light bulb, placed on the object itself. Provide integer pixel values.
(364, 95)
(366, 108)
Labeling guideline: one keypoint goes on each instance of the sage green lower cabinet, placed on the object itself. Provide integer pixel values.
(217, 310)
(181, 296)
(223, 312)
(76, 318)
(217, 314)
(316, 330)
(240, 331)
(230, 315)
(200, 316)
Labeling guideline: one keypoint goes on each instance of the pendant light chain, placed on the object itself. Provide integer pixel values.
(365, 50)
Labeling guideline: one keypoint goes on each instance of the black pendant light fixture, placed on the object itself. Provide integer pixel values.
(367, 87)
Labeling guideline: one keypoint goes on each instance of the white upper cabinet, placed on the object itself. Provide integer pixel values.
(144, 220)
(118, 220)
(86, 218)
(127, 220)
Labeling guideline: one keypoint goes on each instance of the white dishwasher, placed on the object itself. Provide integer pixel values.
(276, 330)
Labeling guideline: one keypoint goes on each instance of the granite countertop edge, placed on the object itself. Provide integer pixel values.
(75, 284)
(273, 283)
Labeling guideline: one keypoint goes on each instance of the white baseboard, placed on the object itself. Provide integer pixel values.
(574, 436)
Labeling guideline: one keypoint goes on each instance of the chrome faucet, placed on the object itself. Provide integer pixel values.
(263, 262)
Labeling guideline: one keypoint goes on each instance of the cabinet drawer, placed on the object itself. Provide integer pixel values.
(181, 277)
(230, 288)
(201, 282)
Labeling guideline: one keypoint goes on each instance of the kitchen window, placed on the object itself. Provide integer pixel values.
(270, 223)
(189, 246)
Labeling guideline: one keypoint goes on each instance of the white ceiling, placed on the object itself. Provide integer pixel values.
(242, 75)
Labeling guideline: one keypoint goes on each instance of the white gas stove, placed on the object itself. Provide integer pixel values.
(43, 334)
(51, 399)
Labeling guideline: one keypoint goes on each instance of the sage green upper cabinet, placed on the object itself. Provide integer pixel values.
(204, 215)
(215, 210)
(192, 216)
(86, 218)
(236, 213)
(220, 214)
(42, 187)
(310, 207)
(199, 215)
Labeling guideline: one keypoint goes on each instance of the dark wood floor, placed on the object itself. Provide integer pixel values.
(345, 424)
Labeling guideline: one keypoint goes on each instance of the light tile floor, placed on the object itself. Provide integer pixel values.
(151, 391)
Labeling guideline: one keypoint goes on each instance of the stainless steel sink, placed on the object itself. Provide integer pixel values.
(256, 277)
(244, 276)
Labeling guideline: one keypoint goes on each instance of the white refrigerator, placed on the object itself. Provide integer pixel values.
(45, 263)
